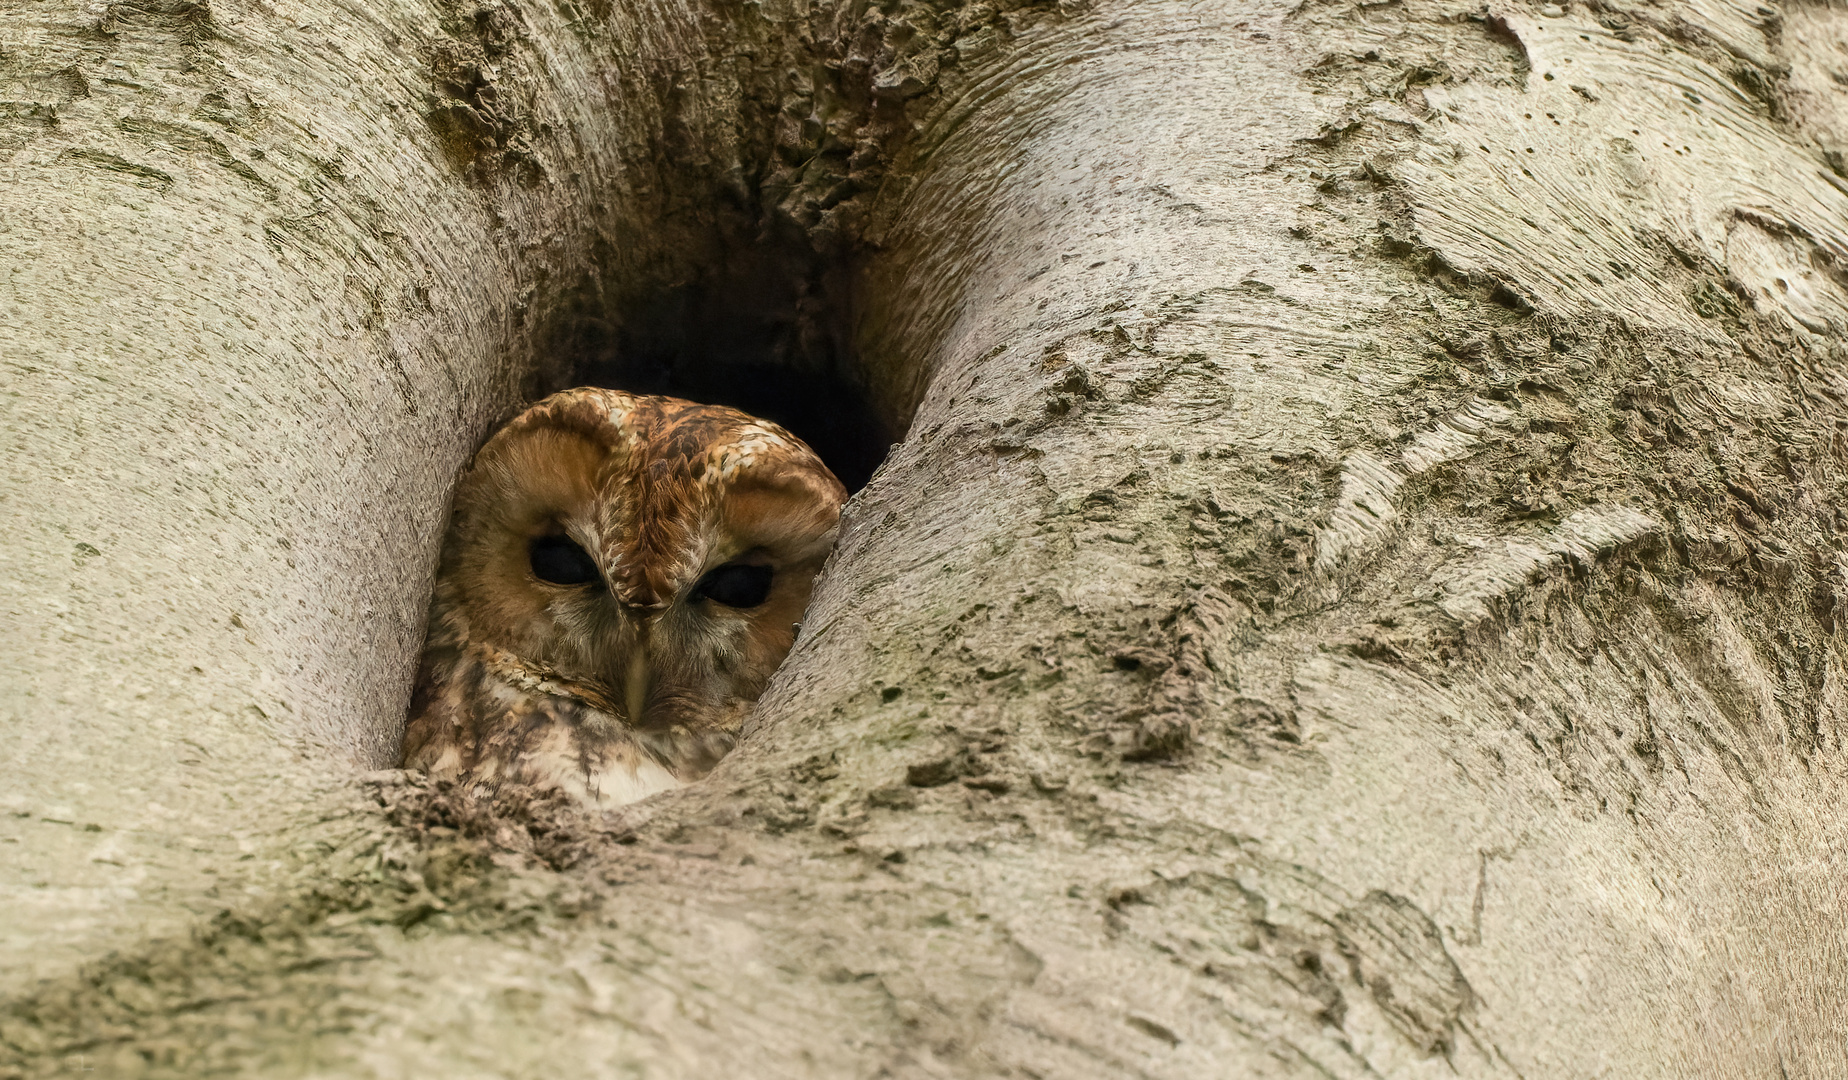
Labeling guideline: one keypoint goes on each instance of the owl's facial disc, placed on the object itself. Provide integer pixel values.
(654, 554)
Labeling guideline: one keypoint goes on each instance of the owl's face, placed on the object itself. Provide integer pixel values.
(645, 556)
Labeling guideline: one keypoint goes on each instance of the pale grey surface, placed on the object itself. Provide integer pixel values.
(1510, 634)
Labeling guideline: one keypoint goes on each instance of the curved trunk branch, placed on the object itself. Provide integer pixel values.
(1357, 595)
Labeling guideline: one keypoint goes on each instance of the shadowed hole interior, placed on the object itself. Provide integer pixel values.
(766, 330)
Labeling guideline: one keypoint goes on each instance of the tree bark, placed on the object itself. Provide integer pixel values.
(1357, 594)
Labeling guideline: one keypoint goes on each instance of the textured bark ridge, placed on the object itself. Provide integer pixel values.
(1358, 594)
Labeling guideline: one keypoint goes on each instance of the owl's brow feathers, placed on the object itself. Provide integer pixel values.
(653, 532)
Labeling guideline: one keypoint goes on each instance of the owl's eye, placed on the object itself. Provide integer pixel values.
(559, 560)
(735, 585)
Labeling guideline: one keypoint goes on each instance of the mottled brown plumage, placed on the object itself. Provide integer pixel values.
(597, 624)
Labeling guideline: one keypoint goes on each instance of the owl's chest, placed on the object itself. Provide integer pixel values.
(549, 741)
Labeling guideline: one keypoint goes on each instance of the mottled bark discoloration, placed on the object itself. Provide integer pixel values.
(1356, 597)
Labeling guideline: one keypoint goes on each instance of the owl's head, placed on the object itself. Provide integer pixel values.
(649, 554)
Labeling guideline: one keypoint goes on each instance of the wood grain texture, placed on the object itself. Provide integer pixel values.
(1356, 597)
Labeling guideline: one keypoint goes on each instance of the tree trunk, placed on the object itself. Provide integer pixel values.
(1358, 593)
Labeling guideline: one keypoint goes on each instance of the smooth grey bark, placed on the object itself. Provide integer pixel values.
(272, 273)
(1357, 596)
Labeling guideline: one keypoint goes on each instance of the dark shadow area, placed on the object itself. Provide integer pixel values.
(767, 332)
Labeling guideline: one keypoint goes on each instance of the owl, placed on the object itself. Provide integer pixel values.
(621, 576)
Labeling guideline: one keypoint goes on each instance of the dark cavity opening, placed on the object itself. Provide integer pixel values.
(766, 329)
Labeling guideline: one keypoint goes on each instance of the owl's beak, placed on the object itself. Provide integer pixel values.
(635, 685)
(641, 604)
